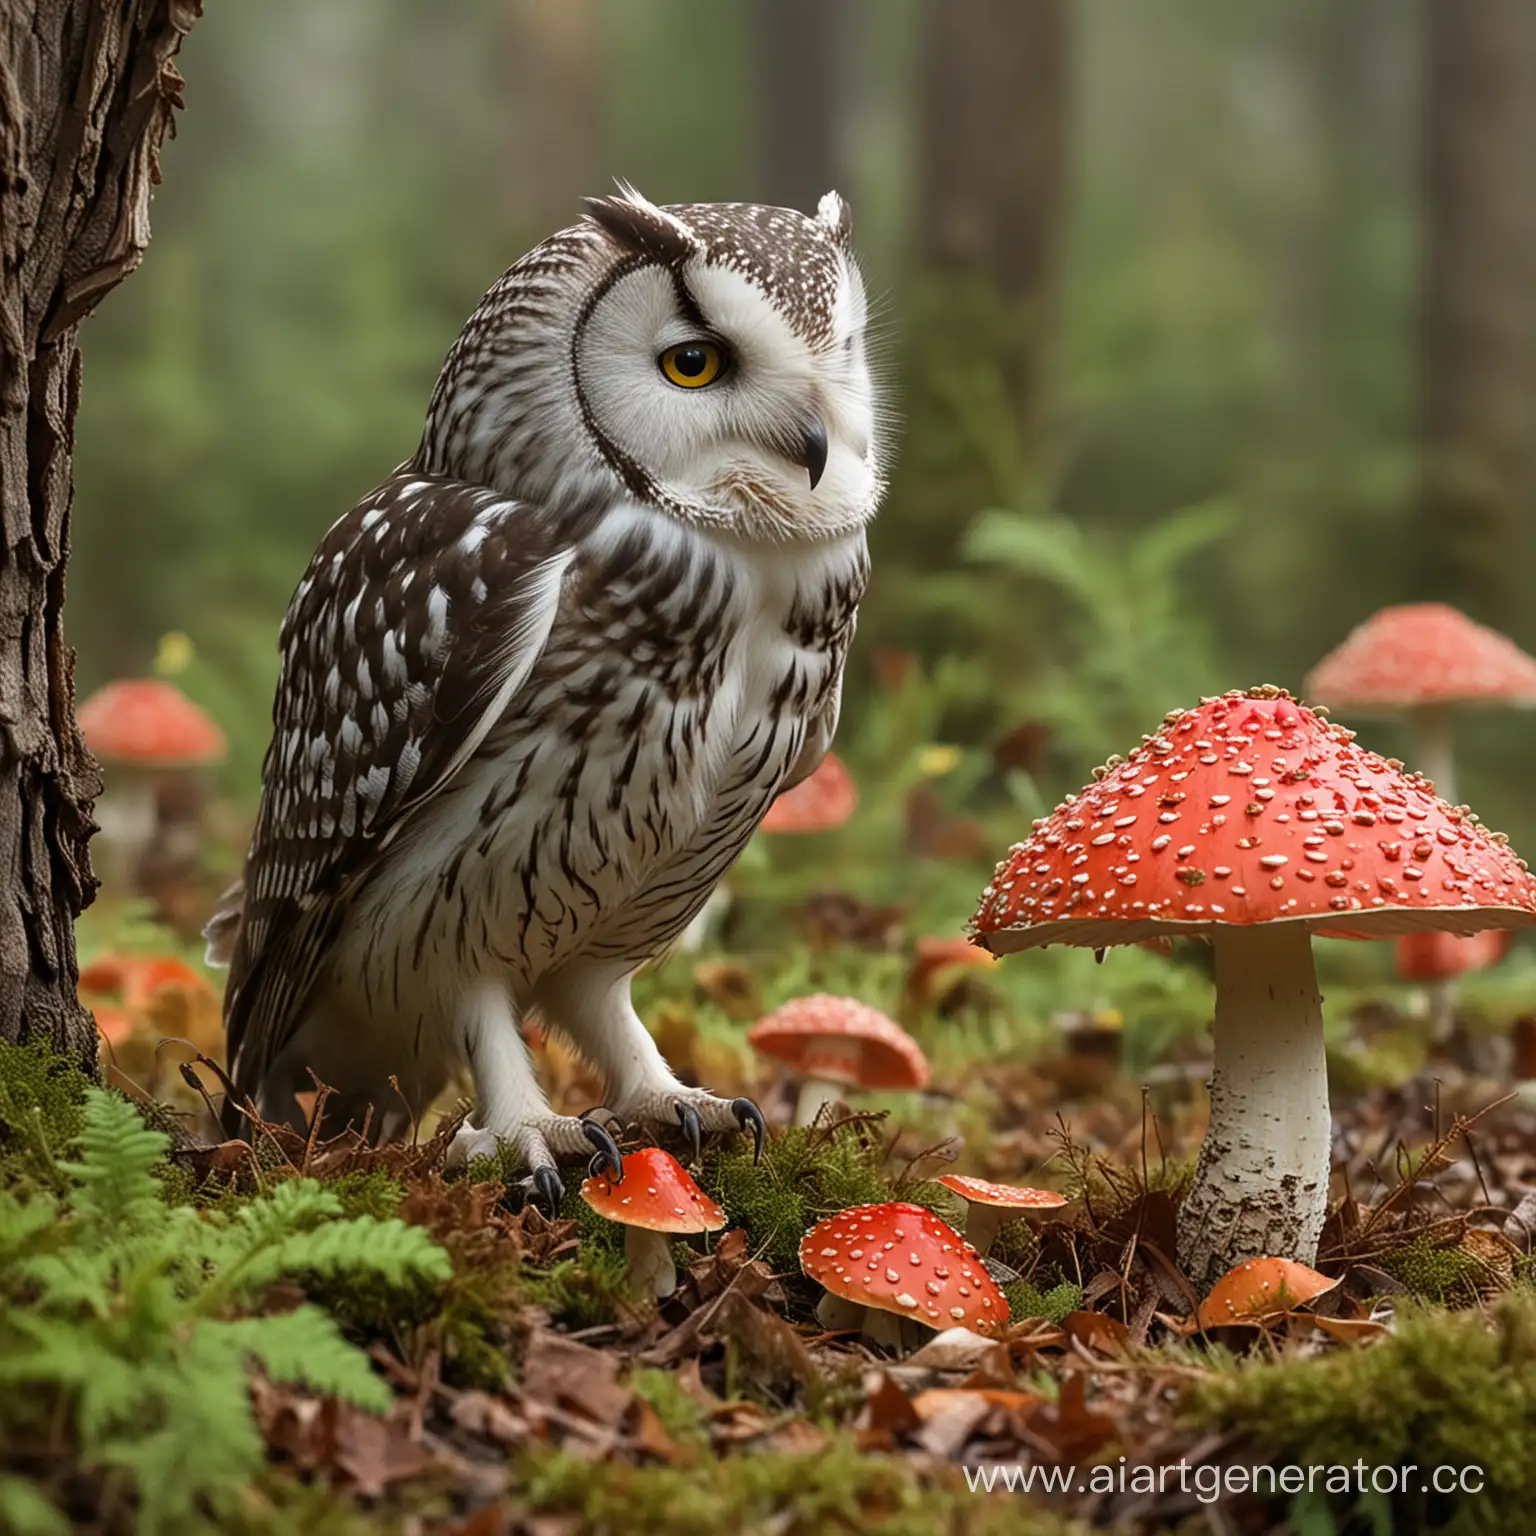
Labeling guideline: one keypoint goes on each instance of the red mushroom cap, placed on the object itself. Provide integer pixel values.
(1440, 956)
(818, 803)
(1423, 653)
(151, 724)
(657, 1193)
(813, 1035)
(1252, 809)
(1011, 1197)
(903, 1259)
(1261, 1288)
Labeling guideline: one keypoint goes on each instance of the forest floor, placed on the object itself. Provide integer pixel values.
(291, 1334)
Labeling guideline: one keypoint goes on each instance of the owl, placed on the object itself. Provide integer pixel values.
(540, 686)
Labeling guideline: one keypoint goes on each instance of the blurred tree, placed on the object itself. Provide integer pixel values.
(1479, 316)
(804, 47)
(86, 96)
(557, 110)
(995, 89)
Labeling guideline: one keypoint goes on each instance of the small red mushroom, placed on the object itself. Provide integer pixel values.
(1252, 823)
(142, 728)
(655, 1199)
(837, 1043)
(1437, 957)
(879, 1262)
(1258, 1289)
(818, 803)
(1422, 660)
(989, 1207)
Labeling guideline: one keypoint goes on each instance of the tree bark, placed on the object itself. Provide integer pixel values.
(803, 48)
(1479, 347)
(87, 89)
(555, 92)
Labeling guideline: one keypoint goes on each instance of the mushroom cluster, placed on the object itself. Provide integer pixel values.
(1253, 823)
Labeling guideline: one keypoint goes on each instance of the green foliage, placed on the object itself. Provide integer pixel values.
(681, 1416)
(1025, 1300)
(1135, 647)
(804, 1175)
(42, 1110)
(839, 1489)
(1448, 1275)
(1454, 1390)
(116, 1315)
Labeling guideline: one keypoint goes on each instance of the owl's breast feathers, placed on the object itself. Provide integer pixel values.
(624, 686)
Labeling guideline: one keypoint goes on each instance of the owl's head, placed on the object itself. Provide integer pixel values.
(706, 359)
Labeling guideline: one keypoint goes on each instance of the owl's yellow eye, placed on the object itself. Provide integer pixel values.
(693, 364)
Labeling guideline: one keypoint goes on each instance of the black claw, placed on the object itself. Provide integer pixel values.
(688, 1118)
(747, 1113)
(607, 1156)
(549, 1189)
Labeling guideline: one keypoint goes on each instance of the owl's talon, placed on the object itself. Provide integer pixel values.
(607, 1154)
(693, 1131)
(549, 1188)
(747, 1113)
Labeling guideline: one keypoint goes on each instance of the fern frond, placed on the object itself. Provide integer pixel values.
(393, 1251)
(25, 1510)
(115, 1184)
(22, 1223)
(305, 1347)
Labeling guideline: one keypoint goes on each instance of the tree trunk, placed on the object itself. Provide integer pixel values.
(87, 89)
(803, 47)
(555, 94)
(1480, 306)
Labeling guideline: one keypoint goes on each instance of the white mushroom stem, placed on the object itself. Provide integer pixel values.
(839, 1315)
(1261, 1185)
(828, 1072)
(815, 1094)
(983, 1223)
(650, 1261)
(1434, 748)
(1435, 752)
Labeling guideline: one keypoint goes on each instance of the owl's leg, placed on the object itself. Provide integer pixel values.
(510, 1106)
(596, 1011)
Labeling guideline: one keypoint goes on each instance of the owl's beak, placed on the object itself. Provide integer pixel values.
(812, 454)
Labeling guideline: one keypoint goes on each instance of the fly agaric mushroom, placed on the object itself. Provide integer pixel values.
(1439, 957)
(837, 1043)
(883, 1266)
(990, 1207)
(1253, 823)
(1259, 1289)
(142, 728)
(655, 1200)
(818, 803)
(1421, 660)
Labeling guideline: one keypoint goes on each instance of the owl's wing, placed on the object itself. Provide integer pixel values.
(419, 618)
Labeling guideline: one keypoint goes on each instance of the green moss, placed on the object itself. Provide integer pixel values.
(42, 1110)
(367, 1192)
(681, 1416)
(1026, 1300)
(1455, 1391)
(1447, 1275)
(803, 1176)
(583, 1292)
(838, 1489)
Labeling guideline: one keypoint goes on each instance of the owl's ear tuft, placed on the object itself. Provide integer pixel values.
(643, 228)
(834, 214)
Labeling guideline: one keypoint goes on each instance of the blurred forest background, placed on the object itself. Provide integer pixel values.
(1211, 329)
